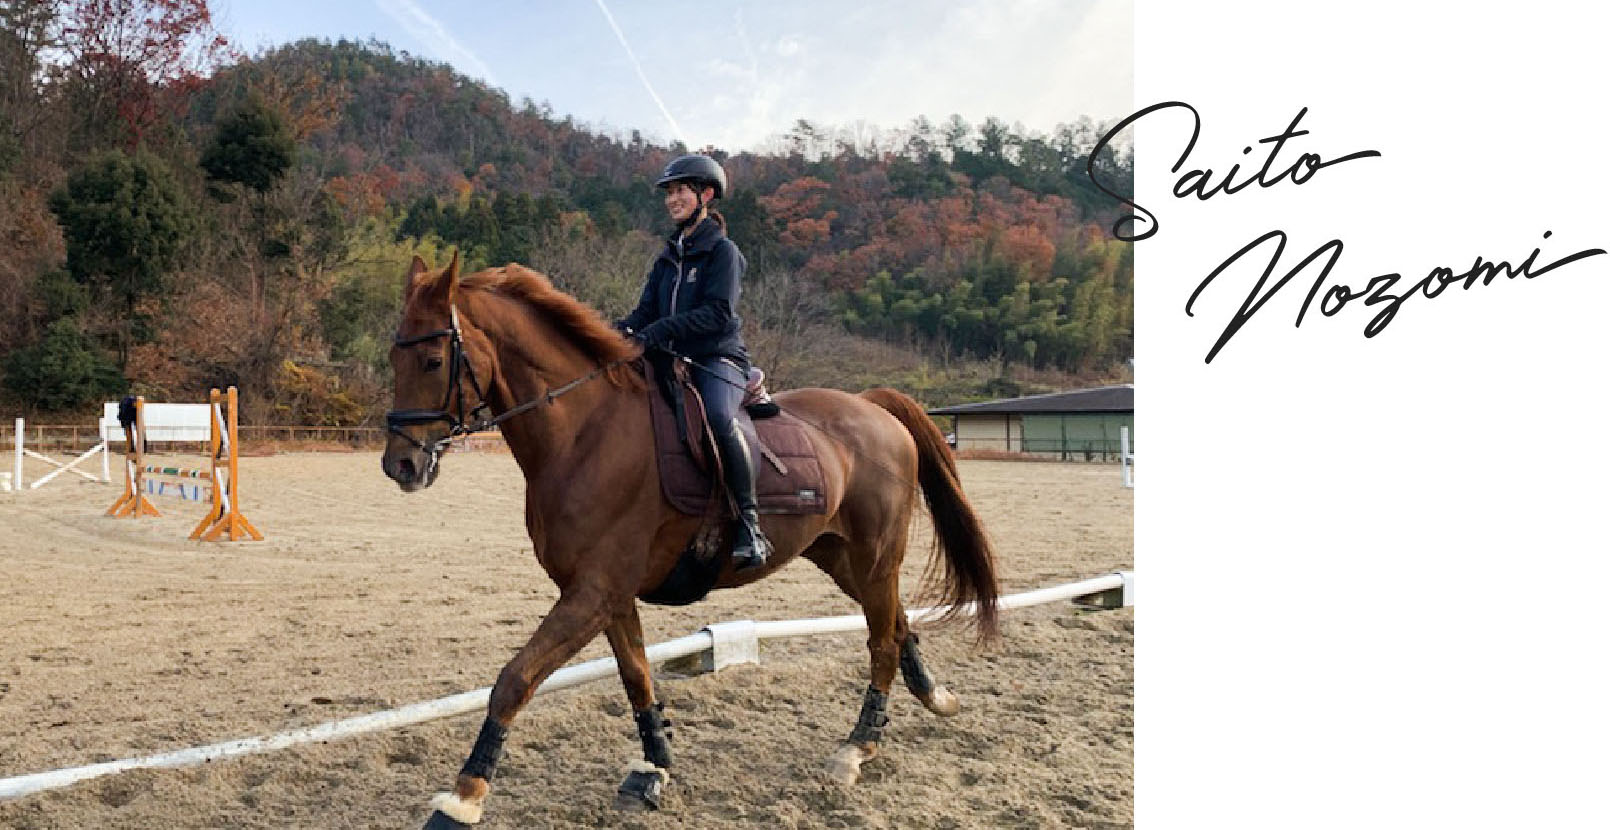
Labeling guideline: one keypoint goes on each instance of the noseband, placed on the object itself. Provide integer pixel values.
(476, 418)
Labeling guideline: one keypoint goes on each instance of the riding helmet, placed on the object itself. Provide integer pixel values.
(695, 168)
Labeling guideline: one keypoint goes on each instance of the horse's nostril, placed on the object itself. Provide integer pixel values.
(400, 470)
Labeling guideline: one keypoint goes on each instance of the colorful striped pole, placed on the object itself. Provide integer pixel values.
(177, 472)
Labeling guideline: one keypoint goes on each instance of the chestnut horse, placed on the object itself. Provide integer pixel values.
(504, 347)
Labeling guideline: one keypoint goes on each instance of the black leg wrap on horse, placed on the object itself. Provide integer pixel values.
(913, 671)
(488, 748)
(869, 727)
(441, 821)
(655, 731)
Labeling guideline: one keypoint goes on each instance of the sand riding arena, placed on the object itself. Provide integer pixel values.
(122, 639)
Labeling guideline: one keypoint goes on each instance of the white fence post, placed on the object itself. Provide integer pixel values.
(16, 469)
(1126, 459)
(732, 643)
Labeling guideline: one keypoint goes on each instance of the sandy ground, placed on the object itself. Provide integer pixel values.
(123, 639)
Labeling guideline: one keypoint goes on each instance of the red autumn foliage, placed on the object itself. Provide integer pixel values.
(1027, 245)
(144, 59)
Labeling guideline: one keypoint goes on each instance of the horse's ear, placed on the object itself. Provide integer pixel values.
(414, 270)
(450, 279)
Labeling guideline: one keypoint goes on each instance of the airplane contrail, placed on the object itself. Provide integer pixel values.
(639, 67)
(431, 31)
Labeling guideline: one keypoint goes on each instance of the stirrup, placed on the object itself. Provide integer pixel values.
(748, 561)
(757, 401)
(754, 555)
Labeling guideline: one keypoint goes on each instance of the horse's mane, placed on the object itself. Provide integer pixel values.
(572, 318)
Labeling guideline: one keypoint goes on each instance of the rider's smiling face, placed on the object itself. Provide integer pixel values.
(681, 202)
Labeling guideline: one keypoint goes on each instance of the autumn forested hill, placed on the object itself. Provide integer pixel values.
(177, 217)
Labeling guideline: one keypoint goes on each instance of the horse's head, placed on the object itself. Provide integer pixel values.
(441, 370)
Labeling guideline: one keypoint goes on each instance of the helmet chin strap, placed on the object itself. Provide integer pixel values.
(696, 216)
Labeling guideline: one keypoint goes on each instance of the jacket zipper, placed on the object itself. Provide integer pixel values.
(676, 287)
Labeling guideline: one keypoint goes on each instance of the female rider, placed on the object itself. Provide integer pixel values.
(689, 307)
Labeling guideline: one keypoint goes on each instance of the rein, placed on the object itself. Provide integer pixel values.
(459, 366)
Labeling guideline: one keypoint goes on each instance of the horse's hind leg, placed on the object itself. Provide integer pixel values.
(573, 621)
(934, 696)
(644, 779)
(829, 554)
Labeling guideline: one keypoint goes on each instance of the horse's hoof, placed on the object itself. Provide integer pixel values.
(845, 765)
(942, 703)
(442, 821)
(635, 802)
(642, 790)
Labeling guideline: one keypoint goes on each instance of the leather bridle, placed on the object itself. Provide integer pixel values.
(475, 419)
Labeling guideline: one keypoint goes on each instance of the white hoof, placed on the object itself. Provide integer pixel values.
(845, 765)
(648, 767)
(457, 809)
(941, 702)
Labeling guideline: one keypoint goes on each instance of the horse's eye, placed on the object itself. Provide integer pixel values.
(432, 364)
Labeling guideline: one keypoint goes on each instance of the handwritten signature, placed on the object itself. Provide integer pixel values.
(1199, 181)
(1379, 291)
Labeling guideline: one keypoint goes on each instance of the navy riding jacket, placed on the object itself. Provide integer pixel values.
(690, 301)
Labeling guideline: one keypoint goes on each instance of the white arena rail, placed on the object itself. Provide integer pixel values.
(722, 644)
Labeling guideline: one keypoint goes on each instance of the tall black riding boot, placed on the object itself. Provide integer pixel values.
(750, 548)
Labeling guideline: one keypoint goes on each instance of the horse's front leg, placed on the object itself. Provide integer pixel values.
(645, 779)
(573, 622)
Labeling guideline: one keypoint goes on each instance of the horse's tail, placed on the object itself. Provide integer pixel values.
(966, 572)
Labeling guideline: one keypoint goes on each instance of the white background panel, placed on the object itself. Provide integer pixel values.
(1374, 568)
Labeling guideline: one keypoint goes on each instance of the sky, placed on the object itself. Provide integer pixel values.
(734, 74)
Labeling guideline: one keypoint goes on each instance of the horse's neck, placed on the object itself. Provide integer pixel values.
(552, 438)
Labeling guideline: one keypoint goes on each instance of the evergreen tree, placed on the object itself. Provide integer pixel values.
(125, 221)
(252, 147)
(64, 371)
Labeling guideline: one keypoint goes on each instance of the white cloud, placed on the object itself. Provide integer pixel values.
(1037, 63)
(837, 63)
(1020, 60)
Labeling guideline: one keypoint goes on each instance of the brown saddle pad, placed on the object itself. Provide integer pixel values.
(779, 441)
